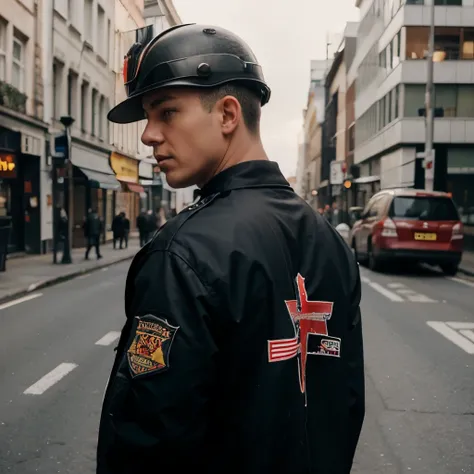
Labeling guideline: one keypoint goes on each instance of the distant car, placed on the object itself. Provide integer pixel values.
(412, 225)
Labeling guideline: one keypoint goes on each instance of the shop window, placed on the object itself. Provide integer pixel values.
(465, 101)
(414, 99)
(447, 43)
(446, 98)
(3, 49)
(18, 64)
(468, 44)
(417, 42)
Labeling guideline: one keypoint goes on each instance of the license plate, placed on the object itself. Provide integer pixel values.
(424, 236)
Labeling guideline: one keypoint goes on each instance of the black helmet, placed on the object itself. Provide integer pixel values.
(185, 55)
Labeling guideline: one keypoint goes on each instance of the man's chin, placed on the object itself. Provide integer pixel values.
(176, 181)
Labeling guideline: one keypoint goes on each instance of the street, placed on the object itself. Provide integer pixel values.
(56, 351)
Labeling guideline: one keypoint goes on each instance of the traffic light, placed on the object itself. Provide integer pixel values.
(347, 184)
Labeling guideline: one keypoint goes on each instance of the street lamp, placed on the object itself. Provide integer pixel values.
(429, 112)
(67, 121)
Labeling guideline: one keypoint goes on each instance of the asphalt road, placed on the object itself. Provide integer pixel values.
(420, 373)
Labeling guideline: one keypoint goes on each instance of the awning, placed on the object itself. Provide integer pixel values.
(134, 188)
(100, 180)
(366, 179)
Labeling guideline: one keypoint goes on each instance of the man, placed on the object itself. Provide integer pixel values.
(92, 231)
(118, 230)
(242, 349)
(142, 227)
(126, 230)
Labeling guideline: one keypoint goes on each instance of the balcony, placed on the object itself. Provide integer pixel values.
(12, 98)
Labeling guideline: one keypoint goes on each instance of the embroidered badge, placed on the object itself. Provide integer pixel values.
(150, 348)
(324, 345)
(308, 318)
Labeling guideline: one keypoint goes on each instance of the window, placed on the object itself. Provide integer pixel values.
(465, 101)
(396, 102)
(58, 69)
(468, 44)
(415, 2)
(3, 49)
(414, 99)
(424, 208)
(445, 98)
(101, 31)
(18, 64)
(94, 112)
(72, 81)
(88, 21)
(447, 43)
(449, 2)
(417, 42)
(84, 102)
(389, 57)
(101, 117)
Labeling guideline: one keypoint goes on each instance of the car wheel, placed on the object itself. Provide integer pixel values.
(374, 262)
(449, 269)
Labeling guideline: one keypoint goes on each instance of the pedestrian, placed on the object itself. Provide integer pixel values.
(152, 224)
(126, 230)
(117, 230)
(142, 227)
(242, 347)
(92, 231)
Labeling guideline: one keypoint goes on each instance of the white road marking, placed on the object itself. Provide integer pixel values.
(464, 282)
(383, 291)
(419, 298)
(457, 325)
(469, 333)
(50, 379)
(108, 339)
(20, 300)
(396, 285)
(452, 335)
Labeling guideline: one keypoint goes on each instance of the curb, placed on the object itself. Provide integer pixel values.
(60, 279)
(466, 272)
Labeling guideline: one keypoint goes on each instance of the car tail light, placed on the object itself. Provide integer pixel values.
(389, 228)
(457, 232)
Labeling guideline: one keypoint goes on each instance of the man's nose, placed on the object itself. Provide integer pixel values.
(152, 135)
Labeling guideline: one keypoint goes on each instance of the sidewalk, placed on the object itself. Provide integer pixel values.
(26, 274)
(467, 263)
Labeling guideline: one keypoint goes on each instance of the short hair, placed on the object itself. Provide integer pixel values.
(248, 99)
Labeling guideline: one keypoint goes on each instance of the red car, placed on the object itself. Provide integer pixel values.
(412, 225)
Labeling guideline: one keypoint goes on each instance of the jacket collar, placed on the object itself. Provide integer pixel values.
(251, 174)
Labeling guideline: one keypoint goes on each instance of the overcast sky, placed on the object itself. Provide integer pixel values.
(284, 35)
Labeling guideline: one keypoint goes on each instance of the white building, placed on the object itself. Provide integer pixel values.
(391, 73)
(25, 190)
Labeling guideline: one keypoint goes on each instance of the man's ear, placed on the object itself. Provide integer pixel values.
(231, 114)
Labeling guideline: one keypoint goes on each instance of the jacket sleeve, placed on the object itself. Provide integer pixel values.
(159, 399)
(355, 367)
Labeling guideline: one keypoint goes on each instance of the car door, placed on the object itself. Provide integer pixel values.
(374, 214)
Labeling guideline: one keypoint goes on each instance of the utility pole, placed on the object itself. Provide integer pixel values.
(429, 158)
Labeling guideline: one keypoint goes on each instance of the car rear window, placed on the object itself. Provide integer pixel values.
(424, 208)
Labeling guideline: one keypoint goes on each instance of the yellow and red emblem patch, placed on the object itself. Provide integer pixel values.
(150, 347)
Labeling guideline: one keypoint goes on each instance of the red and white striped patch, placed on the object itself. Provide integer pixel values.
(282, 349)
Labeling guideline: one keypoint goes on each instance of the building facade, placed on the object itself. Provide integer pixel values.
(25, 189)
(391, 74)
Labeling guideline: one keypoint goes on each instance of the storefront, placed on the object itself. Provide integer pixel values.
(20, 189)
(127, 198)
(94, 188)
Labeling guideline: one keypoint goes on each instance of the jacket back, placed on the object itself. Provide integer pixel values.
(270, 356)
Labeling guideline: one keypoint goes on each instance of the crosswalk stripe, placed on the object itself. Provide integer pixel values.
(50, 379)
(108, 339)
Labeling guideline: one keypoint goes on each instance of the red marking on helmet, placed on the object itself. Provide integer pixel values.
(125, 70)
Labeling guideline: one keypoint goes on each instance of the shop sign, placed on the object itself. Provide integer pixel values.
(8, 165)
(125, 169)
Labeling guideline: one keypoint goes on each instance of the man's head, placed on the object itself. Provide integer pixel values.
(200, 89)
(191, 130)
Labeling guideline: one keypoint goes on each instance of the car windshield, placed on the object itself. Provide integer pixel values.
(424, 208)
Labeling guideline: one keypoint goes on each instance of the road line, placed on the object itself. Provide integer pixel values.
(464, 282)
(459, 325)
(108, 339)
(20, 300)
(50, 379)
(420, 298)
(452, 336)
(396, 285)
(383, 291)
(468, 333)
